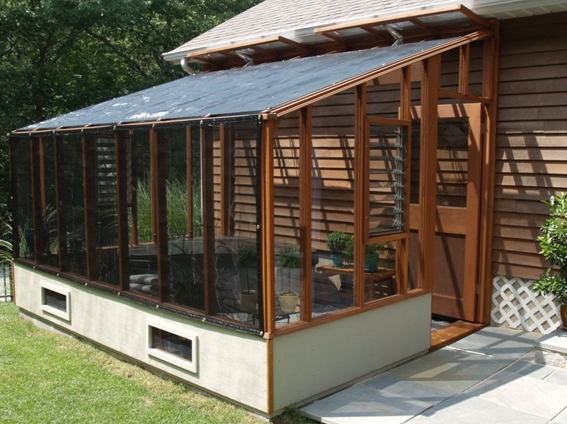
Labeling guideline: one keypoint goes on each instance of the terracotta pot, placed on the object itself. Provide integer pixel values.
(563, 313)
(288, 301)
(248, 301)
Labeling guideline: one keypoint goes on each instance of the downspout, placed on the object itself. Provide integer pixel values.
(185, 66)
(399, 37)
(246, 58)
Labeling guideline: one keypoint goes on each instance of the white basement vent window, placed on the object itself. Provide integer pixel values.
(56, 301)
(172, 345)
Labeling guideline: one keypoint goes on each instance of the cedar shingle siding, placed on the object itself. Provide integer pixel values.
(531, 138)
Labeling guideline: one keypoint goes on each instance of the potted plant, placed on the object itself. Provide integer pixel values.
(48, 217)
(553, 244)
(247, 263)
(288, 261)
(387, 257)
(371, 254)
(337, 242)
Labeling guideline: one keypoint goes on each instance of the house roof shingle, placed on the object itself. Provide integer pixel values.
(297, 18)
(276, 17)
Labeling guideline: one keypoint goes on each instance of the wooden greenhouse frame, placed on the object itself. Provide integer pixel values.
(265, 346)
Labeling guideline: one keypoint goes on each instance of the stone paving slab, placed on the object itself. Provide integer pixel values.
(488, 377)
(555, 341)
(501, 342)
(467, 409)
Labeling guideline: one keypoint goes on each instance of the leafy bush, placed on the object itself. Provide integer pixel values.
(5, 235)
(338, 241)
(288, 256)
(553, 244)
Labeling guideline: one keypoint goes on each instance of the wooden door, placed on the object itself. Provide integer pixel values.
(458, 182)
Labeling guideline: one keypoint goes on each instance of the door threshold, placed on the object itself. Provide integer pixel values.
(451, 333)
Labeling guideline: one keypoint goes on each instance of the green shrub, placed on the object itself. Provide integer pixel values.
(553, 244)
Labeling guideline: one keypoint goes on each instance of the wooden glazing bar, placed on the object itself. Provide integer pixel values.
(227, 184)
(207, 180)
(60, 201)
(159, 198)
(154, 182)
(90, 206)
(360, 191)
(305, 204)
(42, 176)
(402, 248)
(122, 208)
(189, 152)
(267, 227)
(36, 193)
(464, 68)
(428, 162)
(134, 186)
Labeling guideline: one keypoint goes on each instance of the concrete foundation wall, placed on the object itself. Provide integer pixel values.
(325, 357)
(230, 364)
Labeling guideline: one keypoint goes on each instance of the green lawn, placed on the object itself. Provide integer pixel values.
(49, 378)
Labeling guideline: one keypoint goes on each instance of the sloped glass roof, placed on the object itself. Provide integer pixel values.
(235, 92)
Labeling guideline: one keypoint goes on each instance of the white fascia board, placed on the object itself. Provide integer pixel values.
(510, 7)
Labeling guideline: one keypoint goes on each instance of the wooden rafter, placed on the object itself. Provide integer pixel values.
(363, 78)
(421, 25)
(370, 29)
(333, 36)
(405, 18)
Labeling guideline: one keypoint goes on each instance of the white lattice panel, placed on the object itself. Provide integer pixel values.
(515, 306)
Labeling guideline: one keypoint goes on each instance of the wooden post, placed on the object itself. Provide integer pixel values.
(122, 208)
(428, 168)
(464, 68)
(190, 205)
(209, 269)
(133, 189)
(305, 193)
(489, 90)
(90, 204)
(36, 194)
(59, 202)
(267, 227)
(159, 206)
(360, 192)
(227, 179)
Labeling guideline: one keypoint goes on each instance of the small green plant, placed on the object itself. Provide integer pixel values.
(371, 248)
(338, 241)
(553, 244)
(288, 256)
(247, 257)
(5, 235)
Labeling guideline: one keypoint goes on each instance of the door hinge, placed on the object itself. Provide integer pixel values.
(477, 289)
(484, 128)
